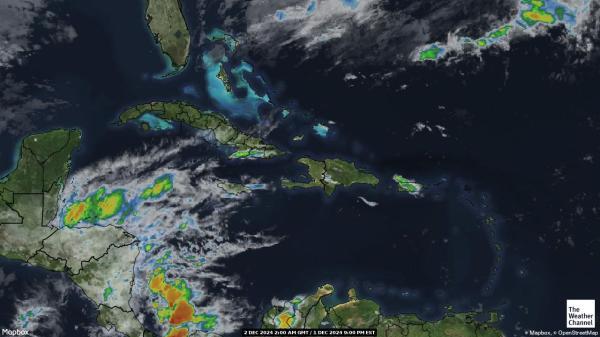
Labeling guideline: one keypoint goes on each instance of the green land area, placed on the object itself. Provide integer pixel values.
(233, 188)
(311, 312)
(407, 185)
(29, 194)
(330, 173)
(167, 24)
(98, 259)
(245, 146)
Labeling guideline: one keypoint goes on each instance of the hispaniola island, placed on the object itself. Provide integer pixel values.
(388, 168)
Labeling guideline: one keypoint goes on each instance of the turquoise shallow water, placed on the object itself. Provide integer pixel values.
(154, 122)
(320, 130)
(219, 35)
(246, 106)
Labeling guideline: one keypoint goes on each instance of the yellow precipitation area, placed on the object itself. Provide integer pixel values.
(538, 16)
(110, 205)
(161, 185)
(285, 320)
(178, 332)
(171, 293)
(98, 206)
(76, 212)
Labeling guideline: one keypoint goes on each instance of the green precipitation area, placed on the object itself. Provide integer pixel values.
(103, 205)
(330, 173)
(167, 24)
(434, 52)
(500, 32)
(310, 312)
(532, 13)
(430, 53)
(245, 146)
(536, 13)
(99, 260)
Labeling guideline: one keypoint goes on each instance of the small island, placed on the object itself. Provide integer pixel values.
(233, 189)
(218, 35)
(224, 78)
(330, 173)
(407, 185)
(245, 146)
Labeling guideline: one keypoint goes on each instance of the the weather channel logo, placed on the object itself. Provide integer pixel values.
(581, 314)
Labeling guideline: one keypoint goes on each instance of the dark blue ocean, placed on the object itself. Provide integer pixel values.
(515, 152)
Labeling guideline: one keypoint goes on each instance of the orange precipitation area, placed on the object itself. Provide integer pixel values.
(178, 310)
(98, 206)
(178, 332)
(286, 320)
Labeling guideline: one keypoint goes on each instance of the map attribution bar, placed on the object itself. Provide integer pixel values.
(309, 332)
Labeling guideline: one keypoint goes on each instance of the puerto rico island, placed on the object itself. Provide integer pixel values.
(167, 24)
(407, 185)
(330, 173)
(245, 146)
(310, 312)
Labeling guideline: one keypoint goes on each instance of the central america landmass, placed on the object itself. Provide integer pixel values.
(100, 259)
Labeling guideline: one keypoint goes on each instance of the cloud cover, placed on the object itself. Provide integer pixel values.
(373, 32)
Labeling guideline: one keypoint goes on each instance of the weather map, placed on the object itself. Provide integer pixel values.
(385, 168)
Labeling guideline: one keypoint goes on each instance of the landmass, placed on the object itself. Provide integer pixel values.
(330, 173)
(108, 279)
(122, 321)
(224, 78)
(225, 133)
(99, 260)
(65, 245)
(29, 194)
(219, 35)
(407, 185)
(310, 312)
(167, 24)
(233, 189)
